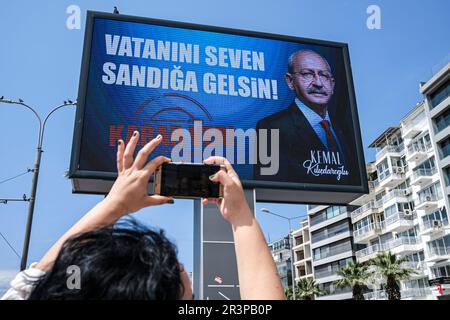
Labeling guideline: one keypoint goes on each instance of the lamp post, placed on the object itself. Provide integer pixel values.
(291, 241)
(36, 168)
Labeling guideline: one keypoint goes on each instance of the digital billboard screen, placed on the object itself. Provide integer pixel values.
(281, 109)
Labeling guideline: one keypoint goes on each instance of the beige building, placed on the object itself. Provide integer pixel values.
(302, 252)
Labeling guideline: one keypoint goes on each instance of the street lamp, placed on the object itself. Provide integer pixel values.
(37, 165)
(291, 241)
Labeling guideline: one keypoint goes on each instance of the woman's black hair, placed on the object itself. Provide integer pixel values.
(122, 261)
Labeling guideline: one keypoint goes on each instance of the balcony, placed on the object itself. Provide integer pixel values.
(416, 293)
(420, 268)
(413, 128)
(417, 152)
(435, 228)
(400, 221)
(366, 210)
(406, 294)
(437, 254)
(402, 245)
(369, 232)
(426, 202)
(396, 195)
(421, 177)
(392, 150)
(390, 178)
(368, 253)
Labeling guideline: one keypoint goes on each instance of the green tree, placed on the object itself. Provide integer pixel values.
(288, 293)
(307, 288)
(356, 275)
(390, 267)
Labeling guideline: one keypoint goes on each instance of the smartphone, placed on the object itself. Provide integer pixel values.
(187, 180)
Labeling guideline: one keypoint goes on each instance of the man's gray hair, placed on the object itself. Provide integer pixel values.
(293, 55)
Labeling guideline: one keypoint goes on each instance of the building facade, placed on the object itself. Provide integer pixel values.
(332, 247)
(302, 252)
(437, 105)
(281, 254)
(406, 211)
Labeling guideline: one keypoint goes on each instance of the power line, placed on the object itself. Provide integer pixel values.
(9, 244)
(19, 175)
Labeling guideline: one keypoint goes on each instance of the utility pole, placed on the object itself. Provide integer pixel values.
(36, 168)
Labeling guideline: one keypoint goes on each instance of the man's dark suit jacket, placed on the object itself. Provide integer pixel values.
(297, 139)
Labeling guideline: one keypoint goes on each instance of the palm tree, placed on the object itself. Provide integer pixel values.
(288, 293)
(307, 288)
(390, 267)
(356, 275)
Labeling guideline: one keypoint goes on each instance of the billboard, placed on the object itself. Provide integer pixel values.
(281, 109)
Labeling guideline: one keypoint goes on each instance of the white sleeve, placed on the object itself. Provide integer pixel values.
(23, 284)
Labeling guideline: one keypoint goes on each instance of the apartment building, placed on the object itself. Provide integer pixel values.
(437, 106)
(332, 247)
(406, 209)
(281, 254)
(302, 252)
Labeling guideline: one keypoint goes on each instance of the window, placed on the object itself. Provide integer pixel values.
(447, 176)
(383, 170)
(439, 215)
(428, 164)
(440, 94)
(364, 223)
(444, 148)
(332, 249)
(330, 231)
(430, 193)
(389, 211)
(327, 214)
(331, 268)
(442, 271)
(439, 246)
(441, 122)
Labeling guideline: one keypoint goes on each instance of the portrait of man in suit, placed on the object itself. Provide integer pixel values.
(312, 146)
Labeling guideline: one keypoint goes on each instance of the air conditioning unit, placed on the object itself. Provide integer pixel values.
(408, 212)
(437, 224)
(407, 192)
(400, 170)
(428, 198)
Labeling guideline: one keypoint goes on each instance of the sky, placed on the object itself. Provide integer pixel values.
(40, 62)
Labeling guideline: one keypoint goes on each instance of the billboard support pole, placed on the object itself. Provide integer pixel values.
(215, 275)
(36, 168)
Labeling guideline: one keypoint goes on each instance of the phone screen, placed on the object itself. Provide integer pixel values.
(189, 180)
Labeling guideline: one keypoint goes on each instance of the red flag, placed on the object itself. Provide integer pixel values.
(439, 288)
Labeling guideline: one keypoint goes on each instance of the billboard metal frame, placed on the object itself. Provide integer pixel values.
(75, 173)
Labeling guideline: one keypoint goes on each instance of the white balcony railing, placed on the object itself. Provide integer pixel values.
(423, 198)
(368, 206)
(418, 147)
(405, 293)
(419, 173)
(387, 246)
(438, 251)
(418, 266)
(415, 292)
(433, 224)
(396, 193)
(369, 229)
(368, 251)
(390, 149)
(400, 216)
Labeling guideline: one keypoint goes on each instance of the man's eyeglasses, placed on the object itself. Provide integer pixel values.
(309, 75)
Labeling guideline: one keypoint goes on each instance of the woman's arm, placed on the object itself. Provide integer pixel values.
(128, 194)
(258, 276)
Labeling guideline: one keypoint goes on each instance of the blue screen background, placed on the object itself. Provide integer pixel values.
(110, 104)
